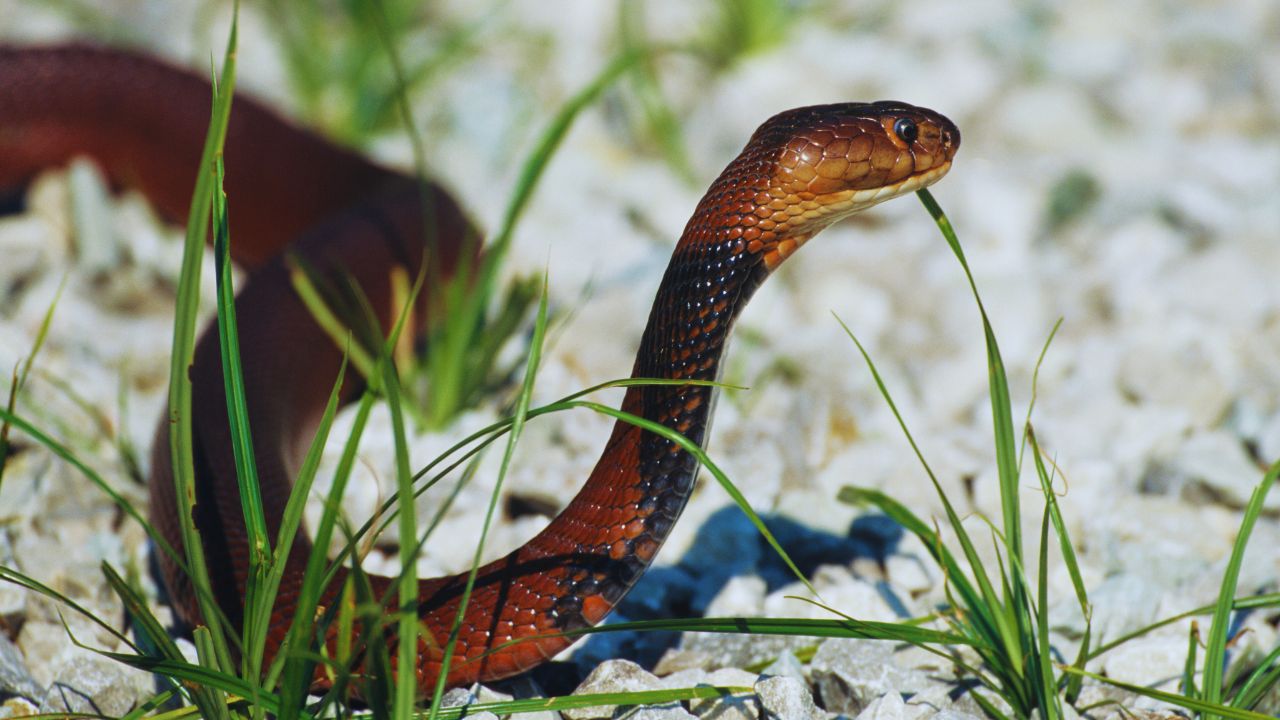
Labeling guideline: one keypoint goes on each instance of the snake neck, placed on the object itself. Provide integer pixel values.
(643, 478)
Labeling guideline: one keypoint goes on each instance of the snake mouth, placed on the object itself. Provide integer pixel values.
(865, 198)
(829, 208)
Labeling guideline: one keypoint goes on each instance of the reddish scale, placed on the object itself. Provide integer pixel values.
(145, 120)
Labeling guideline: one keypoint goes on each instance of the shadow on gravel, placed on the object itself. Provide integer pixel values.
(726, 546)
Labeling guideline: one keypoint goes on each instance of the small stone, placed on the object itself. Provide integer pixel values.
(1217, 466)
(741, 596)
(787, 698)
(13, 599)
(729, 707)
(677, 659)
(732, 707)
(886, 707)
(612, 677)
(457, 697)
(96, 684)
(17, 707)
(850, 674)
(670, 711)
(739, 650)
(1146, 659)
(485, 694)
(687, 678)
(909, 573)
(15, 678)
(787, 665)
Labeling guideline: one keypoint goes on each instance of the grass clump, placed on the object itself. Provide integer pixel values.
(1002, 611)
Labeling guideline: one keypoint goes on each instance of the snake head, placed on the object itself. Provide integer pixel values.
(812, 166)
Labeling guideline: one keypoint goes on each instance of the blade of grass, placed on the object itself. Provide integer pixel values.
(982, 603)
(1000, 405)
(1216, 644)
(1241, 603)
(20, 377)
(1259, 682)
(299, 668)
(1073, 682)
(1035, 386)
(406, 685)
(254, 630)
(180, 421)
(291, 522)
(467, 298)
(571, 702)
(1198, 705)
(304, 283)
(705, 461)
(481, 439)
(1188, 684)
(1005, 444)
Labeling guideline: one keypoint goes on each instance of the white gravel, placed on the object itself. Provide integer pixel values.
(1159, 399)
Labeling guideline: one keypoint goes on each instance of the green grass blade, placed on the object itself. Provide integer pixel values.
(789, 627)
(1035, 386)
(406, 686)
(571, 702)
(1263, 678)
(254, 630)
(155, 635)
(1073, 682)
(705, 461)
(983, 604)
(1268, 600)
(20, 376)
(482, 438)
(298, 668)
(305, 283)
(1002, 414)
(467, 297)
(1188, 684)
(105, 427)
(24, 581)
(1206, 708)
(1046, 689)
(292, 521)
(180, 421)
(202, 676)
(1216, 644)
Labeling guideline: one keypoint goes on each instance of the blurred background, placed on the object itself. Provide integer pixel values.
(1119, 172)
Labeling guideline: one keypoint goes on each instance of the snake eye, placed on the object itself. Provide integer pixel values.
(906, 130)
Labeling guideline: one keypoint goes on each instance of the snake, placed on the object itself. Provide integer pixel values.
(292, 191)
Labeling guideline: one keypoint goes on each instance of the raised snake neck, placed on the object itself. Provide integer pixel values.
(144, 121)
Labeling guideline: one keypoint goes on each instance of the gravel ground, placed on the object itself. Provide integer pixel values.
(1159, 398)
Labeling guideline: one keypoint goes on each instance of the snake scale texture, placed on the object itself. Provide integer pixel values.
(144, 122)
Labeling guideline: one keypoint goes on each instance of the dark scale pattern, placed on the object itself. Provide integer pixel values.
(144, 121)
(801, 171)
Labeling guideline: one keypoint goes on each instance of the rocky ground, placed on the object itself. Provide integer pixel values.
(1119, 171)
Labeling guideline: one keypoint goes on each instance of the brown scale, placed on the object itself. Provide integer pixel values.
(801, 171)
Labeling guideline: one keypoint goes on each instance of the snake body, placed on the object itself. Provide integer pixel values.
(802, 170)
